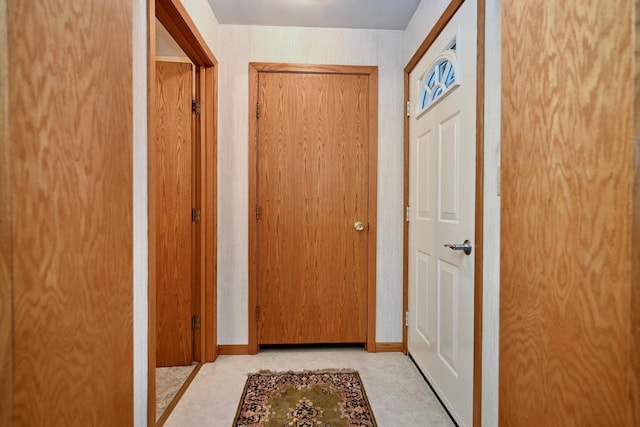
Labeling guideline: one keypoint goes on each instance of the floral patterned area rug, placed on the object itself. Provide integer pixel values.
(330, 398)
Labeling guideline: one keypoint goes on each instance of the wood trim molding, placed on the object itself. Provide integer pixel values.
(253, 197)
(373, 209)
(479, 216)
(389, 347)
(635, 220)
(234, 350)
(442, 22)
(266, 67)
(180, 59)
(210, 197)
(372, 71)
(174, 17)
(6, 256)
(541, 222)
(151, 185)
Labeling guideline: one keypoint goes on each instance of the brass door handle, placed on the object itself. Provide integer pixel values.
(358, 225)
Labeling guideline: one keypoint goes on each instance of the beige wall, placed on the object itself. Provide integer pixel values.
(240, 45)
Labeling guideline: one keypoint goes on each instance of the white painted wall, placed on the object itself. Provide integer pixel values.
(240, 45)
(420, 25)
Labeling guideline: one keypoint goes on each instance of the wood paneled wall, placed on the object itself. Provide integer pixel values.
(70, 192)
(635, 260)
(6, 318)
(566, 255)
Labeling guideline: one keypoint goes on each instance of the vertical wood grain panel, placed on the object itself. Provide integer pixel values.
(372, 201)
(174, 180)
(566, 186)
(253, 197)
(635, 259)
(71, 190)
(6, 283)
(209, 104)
(199, 240)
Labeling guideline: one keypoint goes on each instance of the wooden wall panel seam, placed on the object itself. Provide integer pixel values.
(6, 240)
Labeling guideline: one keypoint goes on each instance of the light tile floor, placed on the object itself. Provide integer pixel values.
(398, 394)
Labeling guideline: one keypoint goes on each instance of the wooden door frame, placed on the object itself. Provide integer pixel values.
(174, 17)
(6, 250)
(442, 22)
(372, 72)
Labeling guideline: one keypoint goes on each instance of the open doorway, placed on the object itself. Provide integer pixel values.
(182, 76)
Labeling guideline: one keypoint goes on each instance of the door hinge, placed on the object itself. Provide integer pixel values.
(406, 318)
(408, 213)
(257, 312)
(409, 108)
(257, 213)
(257, 111)
(195, 215)
(195, 322)
(195, 107)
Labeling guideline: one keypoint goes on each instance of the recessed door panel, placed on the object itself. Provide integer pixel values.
(448, 314)
(449, 172)
(423, 297)
(424, 170)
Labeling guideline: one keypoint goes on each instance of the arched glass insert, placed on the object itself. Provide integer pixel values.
(441, 77)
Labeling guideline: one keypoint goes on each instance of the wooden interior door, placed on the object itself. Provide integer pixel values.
(312, 184)
(442, 131)
(174, 245)
(566, 248)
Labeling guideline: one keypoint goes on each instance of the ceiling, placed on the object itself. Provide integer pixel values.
(373, 14)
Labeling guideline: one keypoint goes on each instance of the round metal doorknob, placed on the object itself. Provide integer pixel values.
(358, 225)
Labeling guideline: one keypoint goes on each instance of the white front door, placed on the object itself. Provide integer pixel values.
(442, 211)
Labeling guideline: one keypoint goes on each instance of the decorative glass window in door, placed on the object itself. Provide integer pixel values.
(440, 78)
